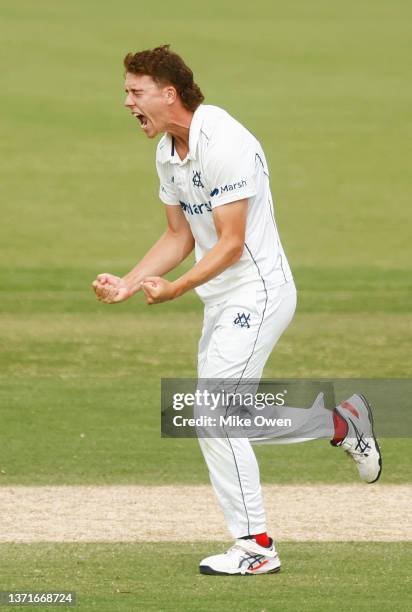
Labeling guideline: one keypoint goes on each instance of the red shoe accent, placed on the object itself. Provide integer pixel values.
(351, 408)
(262, 539)
(253, 569)
(341, 428)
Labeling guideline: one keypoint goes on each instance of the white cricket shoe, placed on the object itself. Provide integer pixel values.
(360, 442)
(245, 557)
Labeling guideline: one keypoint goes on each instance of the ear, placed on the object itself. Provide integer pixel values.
(170, 94)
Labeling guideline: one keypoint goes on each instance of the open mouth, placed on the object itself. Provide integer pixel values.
(142, 119)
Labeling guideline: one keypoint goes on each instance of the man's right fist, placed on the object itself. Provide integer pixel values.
(110, 289)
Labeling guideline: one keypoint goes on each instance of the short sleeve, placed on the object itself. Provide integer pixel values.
(230, 168)
(167, 192)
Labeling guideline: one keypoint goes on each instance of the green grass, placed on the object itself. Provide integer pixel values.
(105, 430)
(314, 576)
(364, 290)
(80, 393)
(326, 89)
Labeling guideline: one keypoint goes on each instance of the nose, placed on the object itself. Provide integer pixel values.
(129, 100)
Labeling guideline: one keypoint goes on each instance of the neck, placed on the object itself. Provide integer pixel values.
(179, 127)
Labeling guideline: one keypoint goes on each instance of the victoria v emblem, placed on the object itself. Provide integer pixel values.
(197, 181)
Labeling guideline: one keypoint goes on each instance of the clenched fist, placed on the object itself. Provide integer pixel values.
(111, 289)
(158, 289)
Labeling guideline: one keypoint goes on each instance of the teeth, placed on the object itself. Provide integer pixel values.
(142, 119)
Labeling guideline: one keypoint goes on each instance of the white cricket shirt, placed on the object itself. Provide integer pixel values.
(225, 163)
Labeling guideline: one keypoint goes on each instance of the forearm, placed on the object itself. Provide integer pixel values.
(224, 254)
(165, 255)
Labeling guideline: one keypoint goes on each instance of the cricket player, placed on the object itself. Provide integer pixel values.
(214, 183)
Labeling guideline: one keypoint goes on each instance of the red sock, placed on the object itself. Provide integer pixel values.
(341, 428)
(262, 539)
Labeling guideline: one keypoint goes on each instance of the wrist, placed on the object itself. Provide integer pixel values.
(131, 286)
(178, 288)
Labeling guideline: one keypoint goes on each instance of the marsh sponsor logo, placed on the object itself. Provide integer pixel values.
(229, 187)
(196, 209)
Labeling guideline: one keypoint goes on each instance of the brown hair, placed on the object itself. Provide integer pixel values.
(165, 66)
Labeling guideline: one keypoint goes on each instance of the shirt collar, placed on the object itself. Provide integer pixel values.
(194, 133)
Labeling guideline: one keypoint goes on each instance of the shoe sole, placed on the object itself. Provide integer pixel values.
(370, 416)
(209, 571)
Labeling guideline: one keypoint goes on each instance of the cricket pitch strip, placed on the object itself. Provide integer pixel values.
(191, 513)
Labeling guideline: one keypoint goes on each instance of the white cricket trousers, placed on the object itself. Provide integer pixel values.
(237, 338)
